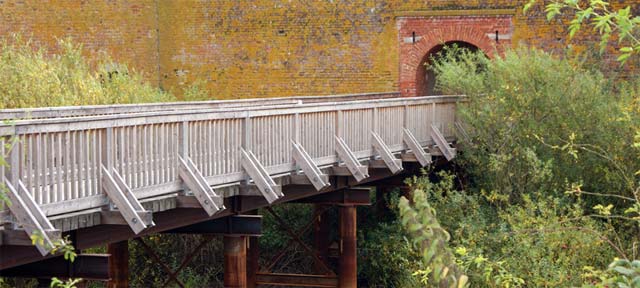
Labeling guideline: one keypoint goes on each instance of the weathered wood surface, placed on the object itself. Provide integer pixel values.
(77, 111)
(60, 160)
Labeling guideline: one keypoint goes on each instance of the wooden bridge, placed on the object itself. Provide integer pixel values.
(106, 174)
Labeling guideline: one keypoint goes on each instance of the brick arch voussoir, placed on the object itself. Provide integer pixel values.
(431, 40)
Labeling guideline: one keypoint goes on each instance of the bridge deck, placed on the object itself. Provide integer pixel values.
(76, 165)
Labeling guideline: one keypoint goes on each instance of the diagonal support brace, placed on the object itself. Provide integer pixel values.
(122, 196)
(448, 151)
(30, 216)
(189, 173)
(424, 158)
(345, 154)
(269, 189)
(394, 164)
(310, 169)
(463, 132)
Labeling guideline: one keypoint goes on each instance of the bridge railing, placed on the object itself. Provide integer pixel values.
(78, 111)
(59, 160)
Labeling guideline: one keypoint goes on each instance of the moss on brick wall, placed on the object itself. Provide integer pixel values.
(258, 48)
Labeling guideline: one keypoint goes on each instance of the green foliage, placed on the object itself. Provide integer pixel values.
(197, 91)
(438, 263)
(540, 242)
(70, 283)
(551, 169)
(60, 246)
(388, 258)
(538, 123)
(604, 21)
(32, 77)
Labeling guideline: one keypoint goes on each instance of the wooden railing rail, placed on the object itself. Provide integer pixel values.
(78, 111)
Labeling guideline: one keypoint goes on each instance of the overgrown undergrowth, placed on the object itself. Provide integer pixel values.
(548, 190)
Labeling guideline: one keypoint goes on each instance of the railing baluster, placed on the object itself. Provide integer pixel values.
(60, 162)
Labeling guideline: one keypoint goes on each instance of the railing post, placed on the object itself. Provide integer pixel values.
(405, 118)
(15, 160)
(246, 136)
(376, 126)
(108, 149)
(246, 140)
(13, 171)
(183, 141)
(339, 121)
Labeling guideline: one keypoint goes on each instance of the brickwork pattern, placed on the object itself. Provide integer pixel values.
(125, 30)
(432, 31)
(265, 48)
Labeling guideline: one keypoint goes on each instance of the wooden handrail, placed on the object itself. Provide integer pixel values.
(60, 160)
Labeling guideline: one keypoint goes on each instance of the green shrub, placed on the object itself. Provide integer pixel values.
(543, 131)
(32, 77)
(532, 104)
(540, 242)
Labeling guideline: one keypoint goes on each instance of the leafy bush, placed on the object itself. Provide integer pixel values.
(549, 167)
(534, 244)
(32, 77)
(530, 103)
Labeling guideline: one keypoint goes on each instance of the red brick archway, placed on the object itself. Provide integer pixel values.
(419, 35)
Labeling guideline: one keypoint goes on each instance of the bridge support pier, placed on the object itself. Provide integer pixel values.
(235, 261)
(348, 275)
(321, 233)
(118, 264)
(253, 265)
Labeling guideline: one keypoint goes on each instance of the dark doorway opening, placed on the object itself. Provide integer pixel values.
(426, 78)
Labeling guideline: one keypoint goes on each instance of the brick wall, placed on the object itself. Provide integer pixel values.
(126, 30)
(265, 48)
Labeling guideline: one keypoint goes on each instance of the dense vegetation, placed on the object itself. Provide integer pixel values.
(547, 190)
(32, 76)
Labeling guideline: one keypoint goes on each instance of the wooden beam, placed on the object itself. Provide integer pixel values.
(192, 177)
(260, 177)
(122, 196)
(29, 216)
(232, 225)
(310, 169)
(20, 237)
(303, 179)
(297, 280)
(345, 154)
(87, 266)
(350, 196)
(423, 157)
(394, 164)
(112, 217)
(442, 144)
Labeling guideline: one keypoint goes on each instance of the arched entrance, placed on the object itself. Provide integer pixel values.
(426, 78)
(421, 36)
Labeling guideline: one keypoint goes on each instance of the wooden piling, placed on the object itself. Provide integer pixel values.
(348, 274)
(118, 264)
(235, 261)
